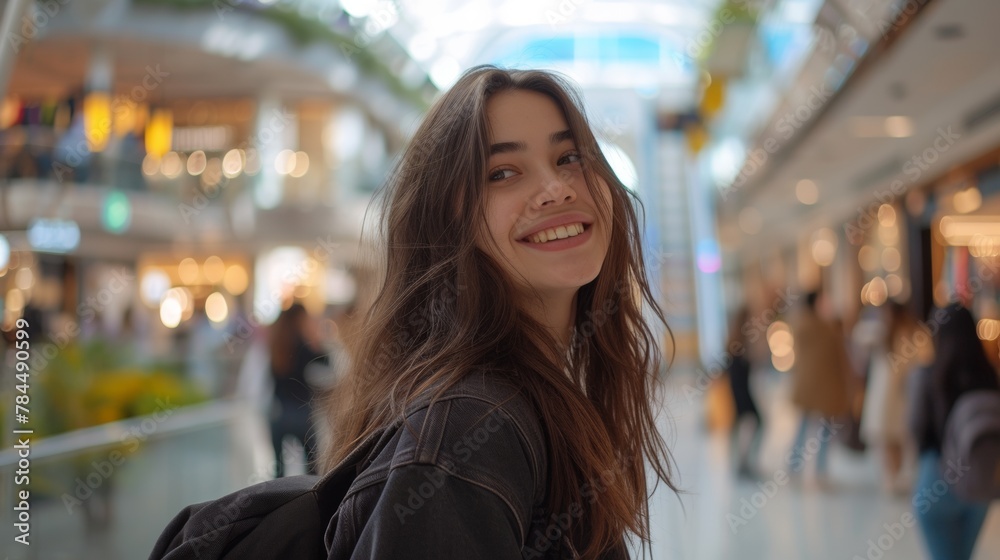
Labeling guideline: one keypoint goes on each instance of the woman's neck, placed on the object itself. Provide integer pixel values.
(557, 314)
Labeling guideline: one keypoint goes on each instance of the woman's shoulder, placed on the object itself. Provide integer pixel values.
(483, 422)
(480, 435)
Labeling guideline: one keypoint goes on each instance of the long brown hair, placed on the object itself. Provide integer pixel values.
(445, 308)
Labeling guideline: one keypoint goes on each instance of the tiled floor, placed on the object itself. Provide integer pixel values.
(792, 520)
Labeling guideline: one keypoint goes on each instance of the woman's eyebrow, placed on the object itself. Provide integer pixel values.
(507, 147)
(561, 136)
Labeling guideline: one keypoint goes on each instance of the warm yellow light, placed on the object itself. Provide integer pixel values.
(783, 363)
(984, 246)
(886, 215)
(806, 191)
(891, 259)
(129, 115)
(159, 132)
(150, 165)
(214, 269)
(97, 120)
(284, 162)
(232, 162)
(235, 280)
(15, 300)
(301, 164)
(889, 236)
(170, 312)
(196, 162)
(780, 343)
(216, 308)
(10, 111)
(968, 200)
(898, 127)
(966, 230)
(878, 292)
(895, 284)
(171, 165)
(189, 271)
(988, 329)
(824, 246)
(868, 258)
(24, 279)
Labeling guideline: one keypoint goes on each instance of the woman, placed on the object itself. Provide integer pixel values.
(745, 407)
(507, 337)
(293, 350)
(950, 525)
(819, 384)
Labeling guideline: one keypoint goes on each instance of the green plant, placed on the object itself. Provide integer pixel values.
(96, 382)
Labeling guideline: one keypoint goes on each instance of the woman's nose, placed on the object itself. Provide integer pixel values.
(556, 188)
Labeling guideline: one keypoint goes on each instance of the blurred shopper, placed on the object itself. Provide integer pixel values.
(819, 384)
(293, 349)
(950, 524)
(884, 418)
(745, 407)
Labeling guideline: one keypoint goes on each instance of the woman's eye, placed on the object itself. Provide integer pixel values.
(501, 174)
(569, 158)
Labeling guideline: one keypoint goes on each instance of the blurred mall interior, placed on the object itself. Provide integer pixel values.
(174, 173)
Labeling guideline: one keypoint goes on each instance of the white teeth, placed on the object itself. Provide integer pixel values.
(561, 232)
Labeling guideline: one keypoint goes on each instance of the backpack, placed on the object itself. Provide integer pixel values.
(971, 445)
(272, 520)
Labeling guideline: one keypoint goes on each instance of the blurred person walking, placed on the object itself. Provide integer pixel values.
(949, 523)
(819, 384)
(739, 371)
(883, 421)
(293, 349)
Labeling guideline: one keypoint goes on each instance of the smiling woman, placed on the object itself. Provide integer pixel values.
(507, 335)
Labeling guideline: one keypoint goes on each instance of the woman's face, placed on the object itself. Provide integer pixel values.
(539, 212)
